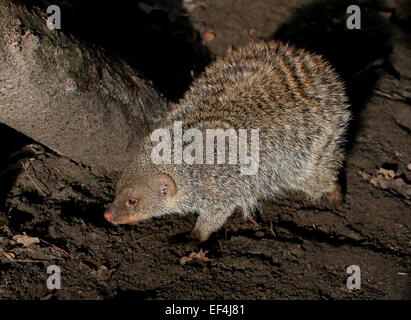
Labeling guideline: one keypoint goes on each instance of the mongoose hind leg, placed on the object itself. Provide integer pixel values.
(207, 223)
(324, 189)
(335, 197)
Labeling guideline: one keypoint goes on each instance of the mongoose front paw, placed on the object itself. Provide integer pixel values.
(186, 241)
(195, 239)
(199, 235)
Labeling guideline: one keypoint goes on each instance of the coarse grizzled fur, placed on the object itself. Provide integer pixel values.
(298, 103)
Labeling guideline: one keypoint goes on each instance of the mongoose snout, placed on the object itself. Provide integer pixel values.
(295, 100)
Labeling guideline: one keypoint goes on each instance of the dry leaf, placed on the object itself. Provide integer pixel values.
(202, 256)
(252, 31)
(208, 36)
(103, 273)
(387, 180)
(386, 173)
(385, 14)
(25, 240)
(84, 267)
(47, 297)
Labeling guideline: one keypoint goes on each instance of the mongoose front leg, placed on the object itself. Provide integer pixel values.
(207, 223)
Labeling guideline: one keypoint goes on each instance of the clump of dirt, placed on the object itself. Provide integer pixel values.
(51, 208)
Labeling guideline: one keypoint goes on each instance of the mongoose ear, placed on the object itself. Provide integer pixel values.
(168, 187)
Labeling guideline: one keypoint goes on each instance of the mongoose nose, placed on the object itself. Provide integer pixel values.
(108, 217)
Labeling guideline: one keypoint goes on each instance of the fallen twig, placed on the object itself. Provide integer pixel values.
(31, 261)
(25, 167)
(253, 221)
(12, 260)
(145, 237)
(272, 230)
(58, 248)
(394, 96)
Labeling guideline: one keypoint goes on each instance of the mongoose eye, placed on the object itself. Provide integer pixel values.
(132, 202)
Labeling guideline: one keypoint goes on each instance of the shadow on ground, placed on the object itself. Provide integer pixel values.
(13, 149)
(154, 37)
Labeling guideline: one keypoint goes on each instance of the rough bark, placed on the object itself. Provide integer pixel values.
(72, 97)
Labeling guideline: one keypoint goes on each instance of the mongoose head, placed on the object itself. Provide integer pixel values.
(139, 199)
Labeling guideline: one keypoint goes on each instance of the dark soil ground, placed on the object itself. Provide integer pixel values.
(297, 250)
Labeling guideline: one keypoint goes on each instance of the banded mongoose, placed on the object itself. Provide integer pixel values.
(298, 103)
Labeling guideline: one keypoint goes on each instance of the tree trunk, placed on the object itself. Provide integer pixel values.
(74, 98)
